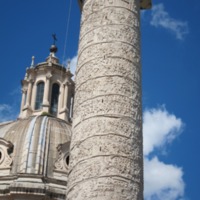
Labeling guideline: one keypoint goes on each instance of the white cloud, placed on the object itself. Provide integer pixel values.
(159, 128)
(161, 18)
(73, 64)
(161, 181)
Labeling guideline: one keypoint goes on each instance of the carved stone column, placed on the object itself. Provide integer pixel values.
(24, 97)
(66, 95)
(106, 160)
(64, 112)
(61, 98)
(46, 93)
(29, 93)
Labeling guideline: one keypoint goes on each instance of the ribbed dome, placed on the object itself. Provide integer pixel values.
(37, 151)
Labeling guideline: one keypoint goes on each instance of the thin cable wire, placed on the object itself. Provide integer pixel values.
(67, 30)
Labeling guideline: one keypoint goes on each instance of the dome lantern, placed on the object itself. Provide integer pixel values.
(47, 88)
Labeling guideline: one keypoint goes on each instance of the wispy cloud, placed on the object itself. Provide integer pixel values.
(16, 92)
(4, 107)
(7, 113)
(161, 18)
(162, 181)
(11, 111)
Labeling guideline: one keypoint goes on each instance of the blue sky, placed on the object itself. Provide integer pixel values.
(171, 84)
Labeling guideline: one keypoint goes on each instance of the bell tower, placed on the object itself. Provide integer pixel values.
(47, 89)
(106, 147)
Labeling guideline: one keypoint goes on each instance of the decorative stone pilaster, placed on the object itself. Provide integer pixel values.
(64, 112)
(106, 148)
(24, 96)
(66, 95)
(46, 104)
(29, 93)
(61, 99)
(71, 105)
(27, 109)
(23, 102)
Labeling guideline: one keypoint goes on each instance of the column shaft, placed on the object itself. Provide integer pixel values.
(106, 160)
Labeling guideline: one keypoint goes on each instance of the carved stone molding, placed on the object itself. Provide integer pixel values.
(6, 149)
(48, 75)
(62, 162)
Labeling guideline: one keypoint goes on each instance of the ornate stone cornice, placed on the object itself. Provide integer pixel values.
(144, 4)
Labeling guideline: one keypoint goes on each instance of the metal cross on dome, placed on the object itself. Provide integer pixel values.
(54, 38)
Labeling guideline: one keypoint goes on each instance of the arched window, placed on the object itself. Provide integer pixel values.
(54, 99)
(39, 96)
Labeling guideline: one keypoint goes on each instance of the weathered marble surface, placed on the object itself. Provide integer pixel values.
(106, 147)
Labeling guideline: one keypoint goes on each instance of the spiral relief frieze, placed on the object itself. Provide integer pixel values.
(106, 146)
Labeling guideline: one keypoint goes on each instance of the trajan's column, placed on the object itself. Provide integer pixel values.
(106, 149)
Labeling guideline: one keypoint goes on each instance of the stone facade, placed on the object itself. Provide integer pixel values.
(106, 146)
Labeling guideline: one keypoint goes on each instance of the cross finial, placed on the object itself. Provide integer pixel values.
(54, 38)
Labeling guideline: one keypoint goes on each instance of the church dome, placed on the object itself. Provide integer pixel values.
(34, 149)
(34, 157)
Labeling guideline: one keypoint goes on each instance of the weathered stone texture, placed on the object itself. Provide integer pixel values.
(106, 146)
